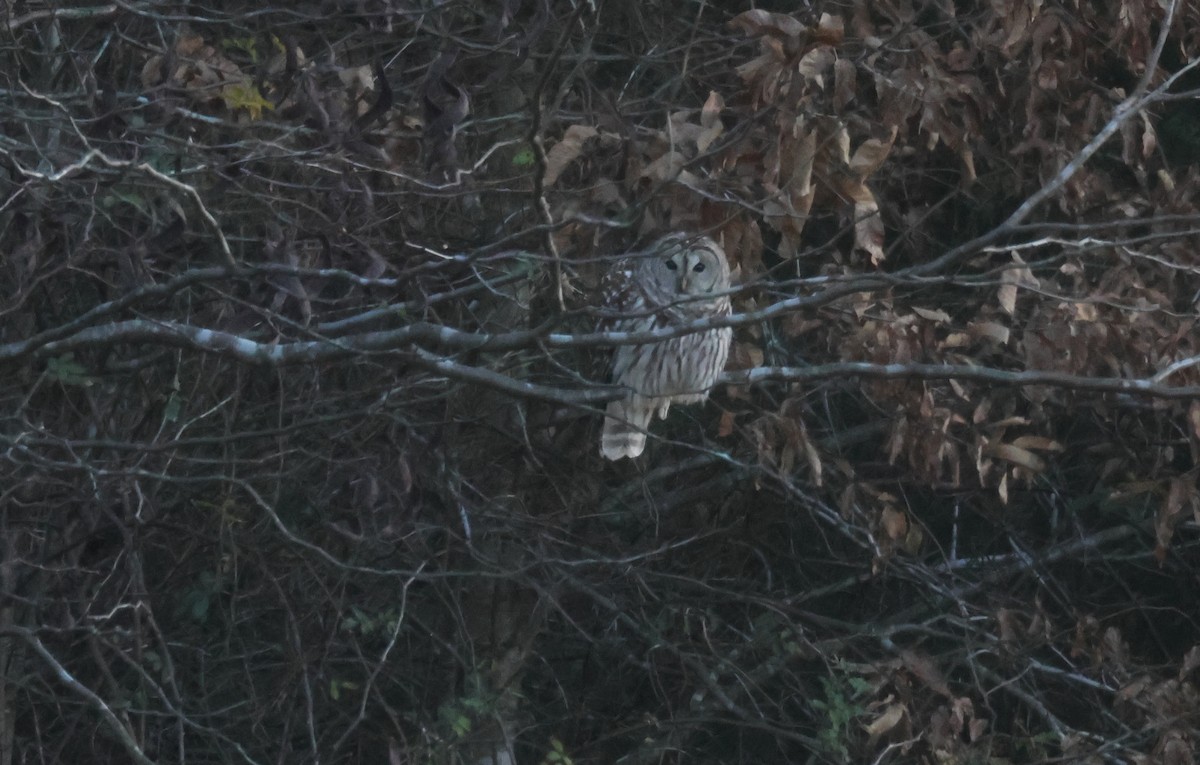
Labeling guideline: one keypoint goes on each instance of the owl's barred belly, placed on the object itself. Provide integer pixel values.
(683, 368)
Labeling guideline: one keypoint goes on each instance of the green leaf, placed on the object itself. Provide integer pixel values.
(523, 158)
(199, 609)
(117, 196)
(462, 725)
(68, 371)
(243, 95)
(174, 404)
(245, 44)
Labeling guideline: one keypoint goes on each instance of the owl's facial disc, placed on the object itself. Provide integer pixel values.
(700, 273)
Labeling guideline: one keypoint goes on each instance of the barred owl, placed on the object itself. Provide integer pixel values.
(679, 279)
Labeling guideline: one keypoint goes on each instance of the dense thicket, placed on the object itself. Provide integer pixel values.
(299, 389)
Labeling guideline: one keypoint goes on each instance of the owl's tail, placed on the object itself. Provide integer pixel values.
(625, 424)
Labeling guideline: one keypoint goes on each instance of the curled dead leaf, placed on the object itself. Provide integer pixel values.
(894, 522)
(887, 720)
(989, 329)
(566, 151)
(1182, 490)
(1016, 455)
(871, 154)
(868, 225)
(1191, 660)
(955, 340)
(928, 314)
(725, 427)
(760, 22)
(814, 64)
(1007, 296)
(1011, 280)
(968, 160)
(845, 83)
(811, 455)
(923, 668)
(1040, 443)
(710, 113)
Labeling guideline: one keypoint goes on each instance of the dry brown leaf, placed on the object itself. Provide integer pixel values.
(681, 130)
(868, 225)
(1191, 660)
(955, 340)
(1008, 422)
(1134, 689)
(1175, 749)
(835, 145)
(1166, 179)
(1085, 311)
(845, 83)
(710, 121)
(795, 325)
(1038, 442)
(990, 330)
(894, 522)
(744, 355)
(361, 76)
(757, 68)
(811, 455)
(1007, 296)
(937, 315)
(961, 392)
(1011, 280)
(1181, 490)
(710, 113)
(981, 411)
(565, 151)
(760, 22)
(889, 719)
(1007, 621)
(898, 440)
(871, 154)
(926, 671)
(1016, 455)
(799, 150)
(914, 540)
(814, 64)
(1114, 649)
(189, 45)
(847, 500)
(963, 710)
(669, 167)
(830, 30)
(725, 427)
(741, 238)
(968, 159)
(976, 728)
(152, 72)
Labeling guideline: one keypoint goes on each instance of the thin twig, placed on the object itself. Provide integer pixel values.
(115, 725)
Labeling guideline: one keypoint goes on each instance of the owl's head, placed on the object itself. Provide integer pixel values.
(687, 265)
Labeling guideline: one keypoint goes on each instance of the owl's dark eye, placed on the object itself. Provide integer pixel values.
(672, 265)
(698, 267)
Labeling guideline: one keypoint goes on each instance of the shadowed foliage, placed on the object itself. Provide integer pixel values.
(301, 384)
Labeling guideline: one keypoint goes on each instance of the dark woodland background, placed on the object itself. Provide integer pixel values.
(299, 388)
